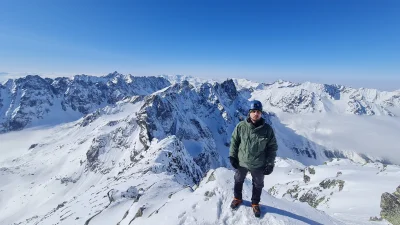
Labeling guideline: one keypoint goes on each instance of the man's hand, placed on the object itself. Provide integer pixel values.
(234, 162)
(268, 169)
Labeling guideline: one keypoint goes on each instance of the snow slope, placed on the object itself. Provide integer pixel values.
(354, 203)
(100, 170)
(54, 186)
(209, 204)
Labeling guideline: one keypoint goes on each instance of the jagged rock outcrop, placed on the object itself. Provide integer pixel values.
(173, 158)
(328, 183)
(390, 206)
(311, 198)
(308, 172)
(306, 178)
(188, 113)
(97, 148)
(306, 190)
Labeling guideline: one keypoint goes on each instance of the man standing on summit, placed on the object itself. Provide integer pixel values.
(253, 149)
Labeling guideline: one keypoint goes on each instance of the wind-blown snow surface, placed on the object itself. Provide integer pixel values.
(209, 204)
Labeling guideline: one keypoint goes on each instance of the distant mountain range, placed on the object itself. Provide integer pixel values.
(121, 149)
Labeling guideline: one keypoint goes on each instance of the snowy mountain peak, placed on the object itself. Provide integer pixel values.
(114, 74)
(310, 97)
(32, 82)
(195, 81)
(229, 88)
(33, 101)
(285, 83)
(245, 83)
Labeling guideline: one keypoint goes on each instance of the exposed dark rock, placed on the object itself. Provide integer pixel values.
(306, 178)
(311, 198)
(33, 146)
(375, 218)
(328, 183)
(390, 206)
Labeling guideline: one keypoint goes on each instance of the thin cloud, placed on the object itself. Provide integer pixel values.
(371, 135)
(4, 76)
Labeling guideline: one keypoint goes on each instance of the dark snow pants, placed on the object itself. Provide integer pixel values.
(257, 180)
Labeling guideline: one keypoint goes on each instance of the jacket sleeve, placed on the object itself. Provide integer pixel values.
(271, 148)
(235, 142)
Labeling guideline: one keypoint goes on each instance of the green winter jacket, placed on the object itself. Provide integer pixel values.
(254, 147)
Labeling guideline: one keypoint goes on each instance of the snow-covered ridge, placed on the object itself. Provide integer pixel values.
(203, 119)
(195, 81)
(209, 204)
(80, 160)
(33, 101)
(310, 97)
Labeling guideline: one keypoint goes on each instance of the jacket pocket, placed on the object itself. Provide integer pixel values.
(263, 143)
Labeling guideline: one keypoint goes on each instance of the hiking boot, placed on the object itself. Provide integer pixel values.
(256, 210)
(235, 203)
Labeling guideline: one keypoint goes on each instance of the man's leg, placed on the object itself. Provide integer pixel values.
(240, 175)
(258, 184)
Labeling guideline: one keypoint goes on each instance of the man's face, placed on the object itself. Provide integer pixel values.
(255, 115)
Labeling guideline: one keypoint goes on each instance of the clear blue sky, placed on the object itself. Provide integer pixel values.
(354, 43)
